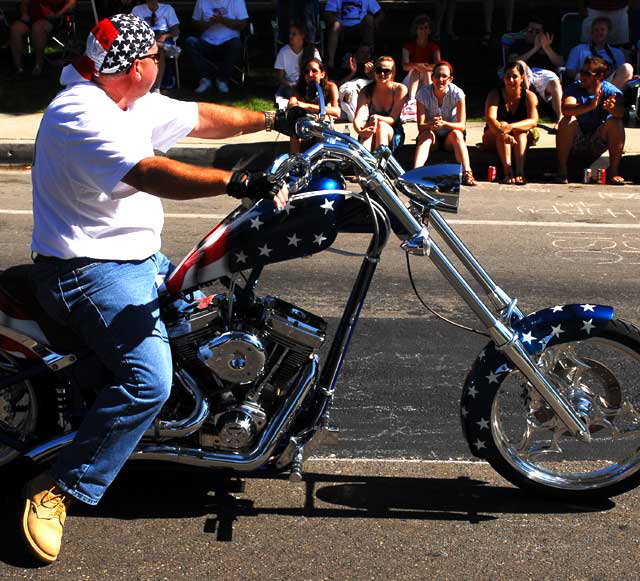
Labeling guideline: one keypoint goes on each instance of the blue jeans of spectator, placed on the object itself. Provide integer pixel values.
(306, 12)
(113, 307)
(212, 60)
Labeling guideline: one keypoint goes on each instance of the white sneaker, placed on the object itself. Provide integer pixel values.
(205, 85)
(222, 86)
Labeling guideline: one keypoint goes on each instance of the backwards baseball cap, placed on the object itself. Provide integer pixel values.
(113, 45)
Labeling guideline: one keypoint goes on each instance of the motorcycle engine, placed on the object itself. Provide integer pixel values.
(246, 359)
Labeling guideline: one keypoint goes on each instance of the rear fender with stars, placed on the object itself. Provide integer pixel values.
(548, 327)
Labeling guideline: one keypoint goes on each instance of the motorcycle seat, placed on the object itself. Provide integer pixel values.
(16, 285)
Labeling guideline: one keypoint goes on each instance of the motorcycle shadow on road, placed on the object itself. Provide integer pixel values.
(320, 495)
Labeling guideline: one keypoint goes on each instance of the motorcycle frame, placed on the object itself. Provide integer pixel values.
(377, 172)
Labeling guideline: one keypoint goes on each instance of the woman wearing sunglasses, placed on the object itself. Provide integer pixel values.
(305, 94)
(377, 119)
(511, 113)
(442, 119)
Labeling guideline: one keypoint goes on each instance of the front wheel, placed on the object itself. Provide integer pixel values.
(522, 438)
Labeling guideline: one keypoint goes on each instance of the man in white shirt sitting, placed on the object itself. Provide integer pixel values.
(219, 47)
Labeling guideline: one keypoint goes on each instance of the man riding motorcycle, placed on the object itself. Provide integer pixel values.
(97, 221)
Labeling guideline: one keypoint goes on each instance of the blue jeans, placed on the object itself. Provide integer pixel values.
(113, 306)
(212, 60)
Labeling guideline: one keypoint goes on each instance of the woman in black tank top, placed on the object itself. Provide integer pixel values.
(377, 117)
(510, 113)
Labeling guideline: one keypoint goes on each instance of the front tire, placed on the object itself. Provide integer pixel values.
(521, 437)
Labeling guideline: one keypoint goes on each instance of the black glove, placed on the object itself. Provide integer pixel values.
(255, 185)
(285, 120)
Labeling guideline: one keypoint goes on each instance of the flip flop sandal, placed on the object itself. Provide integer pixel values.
(519, 181)
(468, 179)
(615, 181)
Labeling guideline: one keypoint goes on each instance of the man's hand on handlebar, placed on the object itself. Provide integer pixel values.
(285, 120)
(256, 186)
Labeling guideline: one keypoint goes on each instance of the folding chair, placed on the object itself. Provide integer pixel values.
(242, 69)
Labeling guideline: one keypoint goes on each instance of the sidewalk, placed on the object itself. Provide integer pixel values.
(18, 132)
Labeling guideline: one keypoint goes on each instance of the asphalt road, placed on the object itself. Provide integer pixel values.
(375, 510)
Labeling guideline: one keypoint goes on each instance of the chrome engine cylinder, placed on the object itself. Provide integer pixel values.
(235, 356)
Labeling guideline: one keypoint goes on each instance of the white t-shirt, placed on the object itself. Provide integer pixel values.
(165, 16)
(85, 145)
(289, 61)
(219, 33)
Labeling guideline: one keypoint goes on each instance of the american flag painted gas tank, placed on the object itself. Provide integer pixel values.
(262, 235)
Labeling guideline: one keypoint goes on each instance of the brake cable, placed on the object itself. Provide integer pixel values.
(435, 313)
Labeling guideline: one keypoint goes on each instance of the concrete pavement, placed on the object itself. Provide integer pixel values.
(18, 133)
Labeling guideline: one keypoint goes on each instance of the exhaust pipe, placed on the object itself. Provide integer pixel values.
(246, 462)
(242, 462)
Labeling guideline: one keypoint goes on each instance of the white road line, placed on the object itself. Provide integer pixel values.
(518, 223)
(390, 460)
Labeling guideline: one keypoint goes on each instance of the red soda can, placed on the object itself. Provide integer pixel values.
(602, 176)
(587, 178)
(491, 174)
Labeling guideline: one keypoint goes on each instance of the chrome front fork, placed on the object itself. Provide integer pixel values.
(500, 331)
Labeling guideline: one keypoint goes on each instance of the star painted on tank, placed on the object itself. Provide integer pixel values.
(319, 239)
(265, 250)
(484, 424)
(588, 326)
(256, 223)
(492, 377)
(479, 444)
(293, 240)
(328, 205)
(241, 257)
(557, 308)
(528, 337)
(588, 307)
(473, 391)
(556, 330)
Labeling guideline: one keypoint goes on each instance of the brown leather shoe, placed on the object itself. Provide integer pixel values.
(45, 511)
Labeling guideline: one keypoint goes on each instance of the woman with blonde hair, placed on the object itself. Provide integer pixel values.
(377, 118)
(511, 114)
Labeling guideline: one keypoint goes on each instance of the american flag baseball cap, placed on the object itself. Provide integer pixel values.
(113, 45)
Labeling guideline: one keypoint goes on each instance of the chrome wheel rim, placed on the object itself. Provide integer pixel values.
(602, 380)
(18, 410)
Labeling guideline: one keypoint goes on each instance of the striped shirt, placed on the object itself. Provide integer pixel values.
(447, 111)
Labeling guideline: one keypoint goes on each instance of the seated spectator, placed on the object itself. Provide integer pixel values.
(535, 50)
(219, 47)
(619, 72)
(305, 94)
(617, 11)
(304, 12)
(419, 55)
(166, 26)
(511, 114)
(377, 119)
(593, 110)
(442, 119)
(352, 16)
(288, 62)
(357, 74)
(37, 18)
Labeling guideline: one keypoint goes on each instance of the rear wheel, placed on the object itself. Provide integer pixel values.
(600, 376)
(18, 409)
